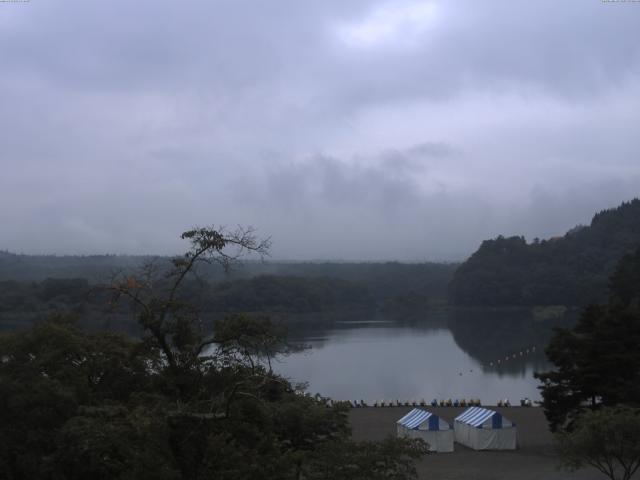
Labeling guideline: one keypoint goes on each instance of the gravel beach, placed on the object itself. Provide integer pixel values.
(533, 460)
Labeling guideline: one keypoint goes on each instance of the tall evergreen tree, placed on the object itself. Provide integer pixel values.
(598, 361)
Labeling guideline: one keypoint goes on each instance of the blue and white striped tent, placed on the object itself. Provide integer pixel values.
(483, 429)
(432, 429)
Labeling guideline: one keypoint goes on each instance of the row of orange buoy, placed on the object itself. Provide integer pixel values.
(522, 353)
(472, 402)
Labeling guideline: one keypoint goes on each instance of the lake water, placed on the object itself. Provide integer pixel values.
(376, 360)
(485, 354)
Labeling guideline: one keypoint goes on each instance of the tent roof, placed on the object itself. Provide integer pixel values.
(415, 418)
(475, 416)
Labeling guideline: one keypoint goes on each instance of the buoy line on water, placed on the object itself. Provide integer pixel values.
(472, 402)
(525, 402)
(521, 353)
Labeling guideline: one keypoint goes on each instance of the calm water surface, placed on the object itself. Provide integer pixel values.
(385, 360)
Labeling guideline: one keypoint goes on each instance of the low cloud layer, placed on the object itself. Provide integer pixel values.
(364, 130)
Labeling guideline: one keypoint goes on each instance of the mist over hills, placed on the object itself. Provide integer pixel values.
(506, 271)
(382, 278)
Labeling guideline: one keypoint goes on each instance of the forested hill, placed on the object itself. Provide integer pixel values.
(384, 280)
(568, 270)
(34, 287)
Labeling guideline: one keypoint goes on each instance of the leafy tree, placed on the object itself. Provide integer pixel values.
(181, 403)
(170, 324)
(607, 439)
(48, 375)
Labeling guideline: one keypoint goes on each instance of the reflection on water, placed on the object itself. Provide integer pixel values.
(450, 355)
(463, 353)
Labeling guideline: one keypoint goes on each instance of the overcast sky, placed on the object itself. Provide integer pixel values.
(348, 130)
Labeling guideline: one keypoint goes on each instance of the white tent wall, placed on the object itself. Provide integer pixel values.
(424, 425)
(493, 439)
(486, 430)
(486, 438)
(462, 434)
(443, 441)
(439, 441)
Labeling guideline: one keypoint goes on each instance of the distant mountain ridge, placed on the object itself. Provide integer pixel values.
(568, 270)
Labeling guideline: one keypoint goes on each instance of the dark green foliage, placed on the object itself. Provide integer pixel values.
(397, 290)
(407, 306)
(21, 303)
(75, 406)
(114, 442)
(47, 376)
(46, 294)
(72, 290)
(382, 281)
(181, 403)
(625, 282)
(598, 361)
(608, 440)
(568, 270)
(95, 268)
(285, 294)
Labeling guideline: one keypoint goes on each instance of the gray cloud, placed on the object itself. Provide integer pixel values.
(366, 129)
